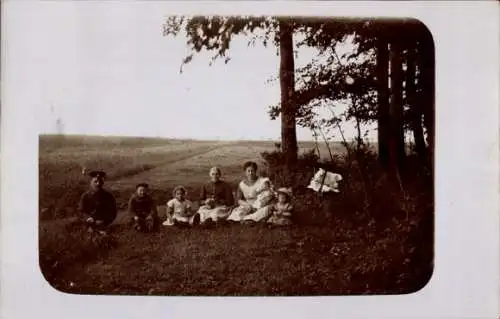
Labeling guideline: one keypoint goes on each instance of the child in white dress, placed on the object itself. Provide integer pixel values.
(179, 209)
(282, 210)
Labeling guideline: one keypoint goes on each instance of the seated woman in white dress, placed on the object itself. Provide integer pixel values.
(254, 195)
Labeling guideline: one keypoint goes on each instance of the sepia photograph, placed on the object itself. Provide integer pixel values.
(250, 159)
(239, 155)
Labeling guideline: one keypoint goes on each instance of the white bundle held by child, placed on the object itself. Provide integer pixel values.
(265, 194)
(324, 181)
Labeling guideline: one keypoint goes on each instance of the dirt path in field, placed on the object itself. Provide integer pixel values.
(193, 169)
(181, 170)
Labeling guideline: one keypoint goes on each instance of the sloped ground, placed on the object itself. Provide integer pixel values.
(338, 257)
(238, 260)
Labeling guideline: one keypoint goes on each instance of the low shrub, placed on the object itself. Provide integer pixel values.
(394, 225)
(64, 243)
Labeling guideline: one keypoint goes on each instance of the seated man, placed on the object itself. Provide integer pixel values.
(143, 209)
(97, 205)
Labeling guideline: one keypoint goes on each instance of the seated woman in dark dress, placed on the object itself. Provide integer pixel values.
(216, 199)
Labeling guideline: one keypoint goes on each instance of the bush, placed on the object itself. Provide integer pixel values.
(394, 226)
(67, 242)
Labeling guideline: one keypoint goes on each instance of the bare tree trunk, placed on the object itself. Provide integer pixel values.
(316, 144)
(287, 84)
(415, 107)
(427, 66)
(396, 134)
(326, 143)
(383, 101)
(359, 138)
(359, 165)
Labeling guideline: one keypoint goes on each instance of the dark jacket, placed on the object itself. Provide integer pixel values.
(100, 205)
(220, 190)
(141, 206)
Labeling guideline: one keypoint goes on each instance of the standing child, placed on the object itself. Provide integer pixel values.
(143, 209)
(282, 210)
(179, 209)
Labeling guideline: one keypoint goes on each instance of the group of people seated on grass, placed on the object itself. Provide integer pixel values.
(256, 201)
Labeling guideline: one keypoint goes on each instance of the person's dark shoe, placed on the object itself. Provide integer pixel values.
(149, 225)
(138, 227)
(196, 220)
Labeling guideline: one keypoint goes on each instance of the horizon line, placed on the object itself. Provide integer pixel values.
(183, 138)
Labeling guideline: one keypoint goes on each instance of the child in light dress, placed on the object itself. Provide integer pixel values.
(179, 209)
(282, 210)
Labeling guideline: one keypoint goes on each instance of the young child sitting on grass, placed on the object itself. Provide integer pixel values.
(282, 210)
(143, 209)
(179, 209)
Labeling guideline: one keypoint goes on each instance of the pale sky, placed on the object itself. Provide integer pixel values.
(109, 70)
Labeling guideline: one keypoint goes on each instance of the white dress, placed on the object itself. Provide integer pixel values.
(214, 213)
(182, 212)
(250, 194)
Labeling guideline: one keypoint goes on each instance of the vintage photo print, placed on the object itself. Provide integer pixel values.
(338, 208)
(335, 159)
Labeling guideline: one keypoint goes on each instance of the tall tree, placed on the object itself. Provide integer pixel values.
(215, 34)
(378, 95)
(426, 79)
(287, 86)
(383, 119)
(415, 109)
(396, 136)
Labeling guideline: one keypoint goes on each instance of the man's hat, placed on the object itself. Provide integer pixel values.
(145, 185)
(99, 174)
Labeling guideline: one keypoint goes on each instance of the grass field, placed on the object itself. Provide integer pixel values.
(340, 257)
(162, 163)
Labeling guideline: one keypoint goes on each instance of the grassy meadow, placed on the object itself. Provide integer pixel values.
(163, 163)
(352, 253)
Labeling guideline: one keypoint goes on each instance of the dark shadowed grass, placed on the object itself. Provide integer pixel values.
(253, 260)
(64, 244)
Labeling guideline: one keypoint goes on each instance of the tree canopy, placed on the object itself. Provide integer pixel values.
(365, 79)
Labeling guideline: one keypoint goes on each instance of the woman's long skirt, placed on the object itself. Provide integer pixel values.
(215, 214)
(242, 213)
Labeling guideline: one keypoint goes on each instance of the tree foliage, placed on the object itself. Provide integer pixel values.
(214, 33)
(355, 79)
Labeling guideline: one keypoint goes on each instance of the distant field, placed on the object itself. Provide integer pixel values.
(350, 254)
(164, 163)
